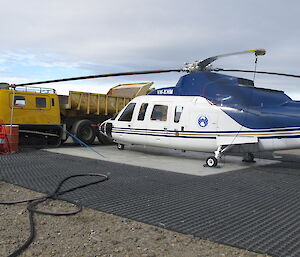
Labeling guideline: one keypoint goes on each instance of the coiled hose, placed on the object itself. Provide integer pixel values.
(34, 202)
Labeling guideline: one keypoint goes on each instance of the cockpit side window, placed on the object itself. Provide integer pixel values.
(159, 112)
(127, 113)
(178, 111)
(142, 112)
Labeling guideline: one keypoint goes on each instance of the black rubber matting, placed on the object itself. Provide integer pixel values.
(258, 210)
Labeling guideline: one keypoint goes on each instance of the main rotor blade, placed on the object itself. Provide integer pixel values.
(190, 67)
(207, 61)
(259, 72)
(99, 76)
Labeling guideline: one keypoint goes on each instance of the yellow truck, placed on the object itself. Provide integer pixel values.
(44, 117)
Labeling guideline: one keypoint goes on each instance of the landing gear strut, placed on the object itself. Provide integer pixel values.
(212, 161)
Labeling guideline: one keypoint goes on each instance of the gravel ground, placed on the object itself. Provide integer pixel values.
(94, 233)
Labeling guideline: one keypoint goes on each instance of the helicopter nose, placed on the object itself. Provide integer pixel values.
(106, 128)
(102, 127)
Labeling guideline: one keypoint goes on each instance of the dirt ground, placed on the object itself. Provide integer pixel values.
(94, 233)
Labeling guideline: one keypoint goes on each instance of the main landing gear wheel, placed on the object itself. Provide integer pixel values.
(120, 146)
(248, 157)
(211, 161)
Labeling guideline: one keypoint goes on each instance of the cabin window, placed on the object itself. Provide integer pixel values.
(127, 113)
(19, 101)
(178, 111)
(40, 102)
(159, 112)
(52, 101)
(142, 111)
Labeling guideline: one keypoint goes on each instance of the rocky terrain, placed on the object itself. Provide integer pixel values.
(94, 233)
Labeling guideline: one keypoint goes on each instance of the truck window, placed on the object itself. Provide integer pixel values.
(127, 113)
(159, 112)
(142, 111)
(40, 102)
(19, 101)
(178, 111)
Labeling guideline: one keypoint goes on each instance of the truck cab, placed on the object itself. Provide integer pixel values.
(35, 110)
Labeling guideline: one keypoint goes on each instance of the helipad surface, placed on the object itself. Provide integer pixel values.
(159, 158)
(255, 208)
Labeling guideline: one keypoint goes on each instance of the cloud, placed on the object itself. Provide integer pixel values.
(73, 38)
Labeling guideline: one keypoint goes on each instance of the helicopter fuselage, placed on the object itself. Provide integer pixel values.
(193, 123)
(212, 113)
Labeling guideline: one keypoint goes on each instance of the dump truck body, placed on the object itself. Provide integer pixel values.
(81, 103)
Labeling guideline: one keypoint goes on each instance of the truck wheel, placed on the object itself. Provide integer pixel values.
(84, 131)
(54, 141)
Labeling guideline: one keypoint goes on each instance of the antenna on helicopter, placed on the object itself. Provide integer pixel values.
(257, 53)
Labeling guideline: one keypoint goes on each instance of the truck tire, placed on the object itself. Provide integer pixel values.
(84, 131)
(53, 141)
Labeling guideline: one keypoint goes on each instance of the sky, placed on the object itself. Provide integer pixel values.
(52, 39)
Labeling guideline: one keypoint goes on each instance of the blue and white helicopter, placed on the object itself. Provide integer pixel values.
(209, 112)
(206, 111)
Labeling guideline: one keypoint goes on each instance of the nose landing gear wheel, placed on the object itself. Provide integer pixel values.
(120, 146)
(211, 161)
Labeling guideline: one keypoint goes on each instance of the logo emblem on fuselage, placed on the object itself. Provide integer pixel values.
(203, 121)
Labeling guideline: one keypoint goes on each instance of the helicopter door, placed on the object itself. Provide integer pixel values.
(139, 124)
(158, 124)
(124, 122)
(178, 124)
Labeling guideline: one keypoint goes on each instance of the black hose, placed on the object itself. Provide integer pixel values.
(34, 202)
